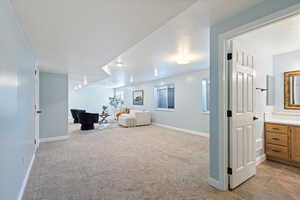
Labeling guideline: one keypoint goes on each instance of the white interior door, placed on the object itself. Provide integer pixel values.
(242, 151)
(37, 107)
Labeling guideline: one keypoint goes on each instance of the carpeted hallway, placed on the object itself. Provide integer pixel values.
(137, 163)
(120, 163)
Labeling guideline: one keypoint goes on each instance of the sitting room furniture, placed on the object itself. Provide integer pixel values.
(135, 118)
(282, 143)
(103, 118)
(127, 120)
(75, 113)
(120, 112)
(87, 120)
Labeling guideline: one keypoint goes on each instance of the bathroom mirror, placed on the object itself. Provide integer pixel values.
(292, 90)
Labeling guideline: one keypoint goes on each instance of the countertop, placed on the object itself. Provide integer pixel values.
(283, 121)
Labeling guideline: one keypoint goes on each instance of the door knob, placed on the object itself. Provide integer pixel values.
(38, 111)
(255, 118)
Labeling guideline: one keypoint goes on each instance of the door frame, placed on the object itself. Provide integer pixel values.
(223, 48)
(36, 95)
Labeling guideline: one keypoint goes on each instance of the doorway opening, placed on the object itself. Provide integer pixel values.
(260, 125)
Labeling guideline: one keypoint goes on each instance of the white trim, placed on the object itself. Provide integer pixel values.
(165, 109)
(53, 139)
(23, 187)
(260, 159)
(223, 86)
(36, 96)
(182, 130)
(286, 113)
(217, 184)
(223, 125)
(205, 113)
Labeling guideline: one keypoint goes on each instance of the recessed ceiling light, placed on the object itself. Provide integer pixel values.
(119, 63)
(183, 56)
(106, 69)
(183, 60)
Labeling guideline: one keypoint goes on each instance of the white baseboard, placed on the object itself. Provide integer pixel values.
(21, 193)
(216, 184)
(53, 139)
(182, 130)
(260, 159)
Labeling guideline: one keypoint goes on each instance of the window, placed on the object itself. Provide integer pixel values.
(205, 95)
(165, 96)
(120, 95)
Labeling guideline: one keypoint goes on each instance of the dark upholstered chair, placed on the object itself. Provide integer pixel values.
(75, 113)
(87, 120)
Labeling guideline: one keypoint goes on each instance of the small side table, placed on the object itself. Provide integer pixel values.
(103, 118)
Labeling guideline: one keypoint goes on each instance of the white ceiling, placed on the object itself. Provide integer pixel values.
(79, 37)
(277, 38)
(188, 32)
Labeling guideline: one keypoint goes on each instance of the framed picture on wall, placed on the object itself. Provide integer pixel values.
(138, 97)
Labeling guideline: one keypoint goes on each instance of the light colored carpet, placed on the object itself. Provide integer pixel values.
(150, 163)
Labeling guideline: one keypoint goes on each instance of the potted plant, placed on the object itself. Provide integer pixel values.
(115, 103)
(104, 110)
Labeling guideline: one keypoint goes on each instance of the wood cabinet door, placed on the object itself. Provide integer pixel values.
(295, 144)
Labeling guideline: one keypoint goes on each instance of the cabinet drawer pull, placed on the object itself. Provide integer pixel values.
(276, 129)
(277, 151)
(275, 139)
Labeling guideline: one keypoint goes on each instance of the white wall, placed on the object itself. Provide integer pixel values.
(188, 113)
(90, 98)
(16, 104)
(284, 63)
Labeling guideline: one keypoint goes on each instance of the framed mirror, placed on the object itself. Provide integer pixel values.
(292, 90)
